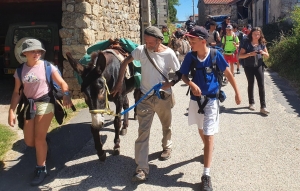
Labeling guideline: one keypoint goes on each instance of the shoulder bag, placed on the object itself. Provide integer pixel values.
(160, 71)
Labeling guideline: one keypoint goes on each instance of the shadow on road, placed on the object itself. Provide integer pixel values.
(116, 174)
(65, 143)
(290, 99)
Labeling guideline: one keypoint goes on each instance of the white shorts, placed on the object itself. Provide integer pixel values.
(209, 121)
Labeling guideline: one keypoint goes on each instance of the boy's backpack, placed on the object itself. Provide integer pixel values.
(217, 72)
(59, 111)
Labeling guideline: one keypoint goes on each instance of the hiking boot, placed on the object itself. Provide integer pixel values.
(238, 71)
(166, 154)
(206, 183)
(252, 107)
(264, 111)
(140, 175)
(40, 174)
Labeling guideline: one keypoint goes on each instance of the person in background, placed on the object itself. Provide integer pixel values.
(230, 45)
(241, 37)
(189, 24)
(166, 33)
(252, 52)
(39, 105)
(207, 23)
(224, 25)
(178, 33)
(246, 30)
(214, 38)
(204, 85)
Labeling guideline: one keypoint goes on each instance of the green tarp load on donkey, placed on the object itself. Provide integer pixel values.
(126, 44)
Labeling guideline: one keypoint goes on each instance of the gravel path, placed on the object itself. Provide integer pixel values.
(252, 152)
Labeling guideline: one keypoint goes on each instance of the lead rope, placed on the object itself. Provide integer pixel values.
(107, 109)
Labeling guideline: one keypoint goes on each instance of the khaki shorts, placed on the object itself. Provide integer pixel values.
(42, 108)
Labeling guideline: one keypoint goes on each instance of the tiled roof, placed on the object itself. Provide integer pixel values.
(209, 2)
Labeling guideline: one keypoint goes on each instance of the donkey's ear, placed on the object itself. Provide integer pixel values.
(101, 62)
(77, 67)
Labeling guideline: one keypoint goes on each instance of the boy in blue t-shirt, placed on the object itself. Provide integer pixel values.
(205, 84)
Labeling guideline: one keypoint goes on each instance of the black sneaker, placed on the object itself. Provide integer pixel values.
(238, 71)
(40, 174)
(206, 183)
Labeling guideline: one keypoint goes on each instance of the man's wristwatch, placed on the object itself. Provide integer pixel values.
(67, 93)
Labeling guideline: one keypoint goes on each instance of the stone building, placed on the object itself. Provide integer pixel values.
(81, 23)
(85, 22)
(159, 12)
(267, 11)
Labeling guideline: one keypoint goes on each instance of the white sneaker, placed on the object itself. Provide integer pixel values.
(252, 107)
(264, 111)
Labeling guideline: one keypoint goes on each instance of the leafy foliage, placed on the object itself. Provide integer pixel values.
(172, 10)
(284, 51)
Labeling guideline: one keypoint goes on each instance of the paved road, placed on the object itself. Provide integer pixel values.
(252, 152)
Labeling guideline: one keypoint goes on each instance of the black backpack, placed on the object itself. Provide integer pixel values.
(217, 72)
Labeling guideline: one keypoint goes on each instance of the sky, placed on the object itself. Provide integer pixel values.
(186, 9)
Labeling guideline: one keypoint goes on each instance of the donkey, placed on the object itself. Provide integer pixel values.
(99, 77)
(181, 47)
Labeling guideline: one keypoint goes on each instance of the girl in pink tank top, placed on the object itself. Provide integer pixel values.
(36, 91)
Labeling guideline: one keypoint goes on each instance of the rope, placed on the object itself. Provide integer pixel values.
(156, 90)
(108, 111)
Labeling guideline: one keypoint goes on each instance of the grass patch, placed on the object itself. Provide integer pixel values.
(79, 104)
(7, 137)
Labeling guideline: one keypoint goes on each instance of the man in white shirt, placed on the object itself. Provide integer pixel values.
(165, 59)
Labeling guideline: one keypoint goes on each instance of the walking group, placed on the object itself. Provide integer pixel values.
(157, 61)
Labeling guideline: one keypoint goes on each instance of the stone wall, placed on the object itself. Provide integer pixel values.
(86, 22)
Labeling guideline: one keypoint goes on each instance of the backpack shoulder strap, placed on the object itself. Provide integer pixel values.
(19, 71)
(194, 63)
(224, 41)
(213, 57)
(48, 70)
(215, 35)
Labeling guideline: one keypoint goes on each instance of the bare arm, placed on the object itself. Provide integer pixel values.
(243, 53)
(64, 87)
(265, 52)
(194, 88)
(232, 81)
(118, 87)
(15, 98)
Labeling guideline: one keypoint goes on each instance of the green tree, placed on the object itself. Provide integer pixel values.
(172, 9)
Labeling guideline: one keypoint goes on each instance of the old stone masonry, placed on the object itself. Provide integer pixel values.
(86, 22)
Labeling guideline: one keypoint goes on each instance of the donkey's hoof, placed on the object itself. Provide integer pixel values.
(123, 131)
(102, 156)
(116, 151)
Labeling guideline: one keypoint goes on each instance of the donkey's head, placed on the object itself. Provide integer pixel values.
(93, 84)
